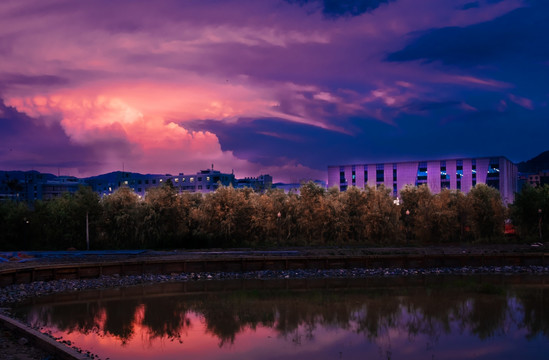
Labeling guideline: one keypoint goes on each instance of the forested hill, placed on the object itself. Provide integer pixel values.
(537, 164)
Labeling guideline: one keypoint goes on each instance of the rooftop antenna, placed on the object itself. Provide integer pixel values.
(212, 167)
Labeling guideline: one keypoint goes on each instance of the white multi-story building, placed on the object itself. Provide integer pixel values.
(204, 181)
(453, 174)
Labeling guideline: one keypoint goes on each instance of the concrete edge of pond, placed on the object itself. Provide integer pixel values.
(88, 270)
(42, 341)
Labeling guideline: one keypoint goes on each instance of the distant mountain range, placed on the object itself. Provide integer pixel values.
(535, 165)
(20, 175)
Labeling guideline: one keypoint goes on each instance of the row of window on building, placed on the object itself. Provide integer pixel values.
(421, 177)
(457, 174)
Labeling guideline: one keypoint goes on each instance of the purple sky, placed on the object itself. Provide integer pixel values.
(285, 87)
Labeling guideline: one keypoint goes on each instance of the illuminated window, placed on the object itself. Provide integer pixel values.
(191, 179)
(492, 178)
(421, 177)
(380, 172)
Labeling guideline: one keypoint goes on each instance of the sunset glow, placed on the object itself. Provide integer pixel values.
(281, 86)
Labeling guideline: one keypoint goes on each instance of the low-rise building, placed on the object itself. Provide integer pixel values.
(454, 174)
(203, 181)
(29, 186)
(108, 183)
(258, 184)
(539, 179)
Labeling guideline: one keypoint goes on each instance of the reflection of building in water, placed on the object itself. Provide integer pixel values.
(454, 174)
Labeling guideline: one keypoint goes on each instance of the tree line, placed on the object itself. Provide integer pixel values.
(232, 217)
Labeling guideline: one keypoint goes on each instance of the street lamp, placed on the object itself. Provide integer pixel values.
(278, 216)
(406, 224)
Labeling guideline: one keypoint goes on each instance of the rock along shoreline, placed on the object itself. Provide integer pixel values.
(13, 294)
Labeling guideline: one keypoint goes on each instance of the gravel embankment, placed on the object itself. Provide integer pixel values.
(16, 293)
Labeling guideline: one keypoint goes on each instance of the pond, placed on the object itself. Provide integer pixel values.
(433, 317)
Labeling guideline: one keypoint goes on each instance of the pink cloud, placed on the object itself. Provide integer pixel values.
(157, 145)
(522, 101)
(138, 74)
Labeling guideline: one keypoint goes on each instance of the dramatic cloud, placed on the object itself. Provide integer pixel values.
(280, 86)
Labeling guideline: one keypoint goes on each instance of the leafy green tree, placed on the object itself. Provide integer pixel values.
(525, 213)
(354, 214)
(64, 226)
(224, 216)
(88, 208)
(164, 222)
(487, 213)
(446, 217)
(382, 217)
(312, 214)
(15, 226)
(188, 207)
(265, 221)
(416, 211)
(123, 216)
(337, 220)
(290, 220)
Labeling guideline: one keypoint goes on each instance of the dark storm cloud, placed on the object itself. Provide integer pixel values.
(518, 36)
(430, 105)
(471, 5)
(28, 143)
(339, 8)
(297, 82)
(268, 141)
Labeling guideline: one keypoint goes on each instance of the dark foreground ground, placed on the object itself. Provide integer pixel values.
(14, 347)
(16, 259)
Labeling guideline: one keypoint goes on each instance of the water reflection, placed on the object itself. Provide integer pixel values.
(453, 317)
